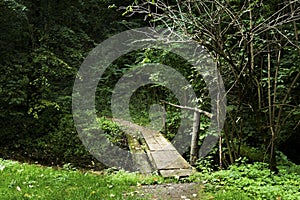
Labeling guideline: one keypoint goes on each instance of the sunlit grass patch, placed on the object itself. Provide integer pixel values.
(24, 181)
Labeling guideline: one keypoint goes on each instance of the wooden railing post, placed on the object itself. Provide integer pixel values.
(195, 136)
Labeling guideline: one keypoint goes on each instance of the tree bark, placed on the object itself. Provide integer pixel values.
(195, 137)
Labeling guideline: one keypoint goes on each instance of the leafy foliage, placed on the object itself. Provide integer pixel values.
(42, 45)
(256, 47)
(250, 181)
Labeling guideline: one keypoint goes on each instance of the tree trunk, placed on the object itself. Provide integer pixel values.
(195, 137)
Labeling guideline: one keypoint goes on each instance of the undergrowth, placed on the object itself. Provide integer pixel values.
(251, 181)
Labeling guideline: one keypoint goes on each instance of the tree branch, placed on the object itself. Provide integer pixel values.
(190, 108)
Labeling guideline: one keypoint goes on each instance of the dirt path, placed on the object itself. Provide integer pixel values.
(171, 191)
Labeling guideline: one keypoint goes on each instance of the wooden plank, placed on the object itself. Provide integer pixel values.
(157, 141)
(140, 157)
(177, 172)
(162, 155)
(142, 163)
(169, 160)
(154, 146)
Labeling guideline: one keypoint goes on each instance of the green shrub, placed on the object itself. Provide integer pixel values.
(253, 181)
(113, 132)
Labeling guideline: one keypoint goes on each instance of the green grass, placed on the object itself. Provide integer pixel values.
(24, 181)
(243, 182)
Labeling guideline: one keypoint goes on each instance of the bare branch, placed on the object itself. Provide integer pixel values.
(190, 108)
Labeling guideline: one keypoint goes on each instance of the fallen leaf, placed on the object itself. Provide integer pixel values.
(18, 188)
(27, 195)
(2, 167)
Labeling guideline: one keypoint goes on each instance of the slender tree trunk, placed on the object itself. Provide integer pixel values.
(272, 162)
(251, 49)
(164, 119)
(195, 137)
(220, 152)
(230, 149)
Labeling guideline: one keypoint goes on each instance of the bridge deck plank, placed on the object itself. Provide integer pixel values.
(162, 154)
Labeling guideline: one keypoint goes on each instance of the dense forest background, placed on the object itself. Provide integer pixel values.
(43, 44)
(256, 46)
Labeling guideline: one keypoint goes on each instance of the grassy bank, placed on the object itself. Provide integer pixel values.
(243, 181)
(24, 181)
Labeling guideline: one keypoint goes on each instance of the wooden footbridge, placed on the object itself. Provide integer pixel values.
(152, 152)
